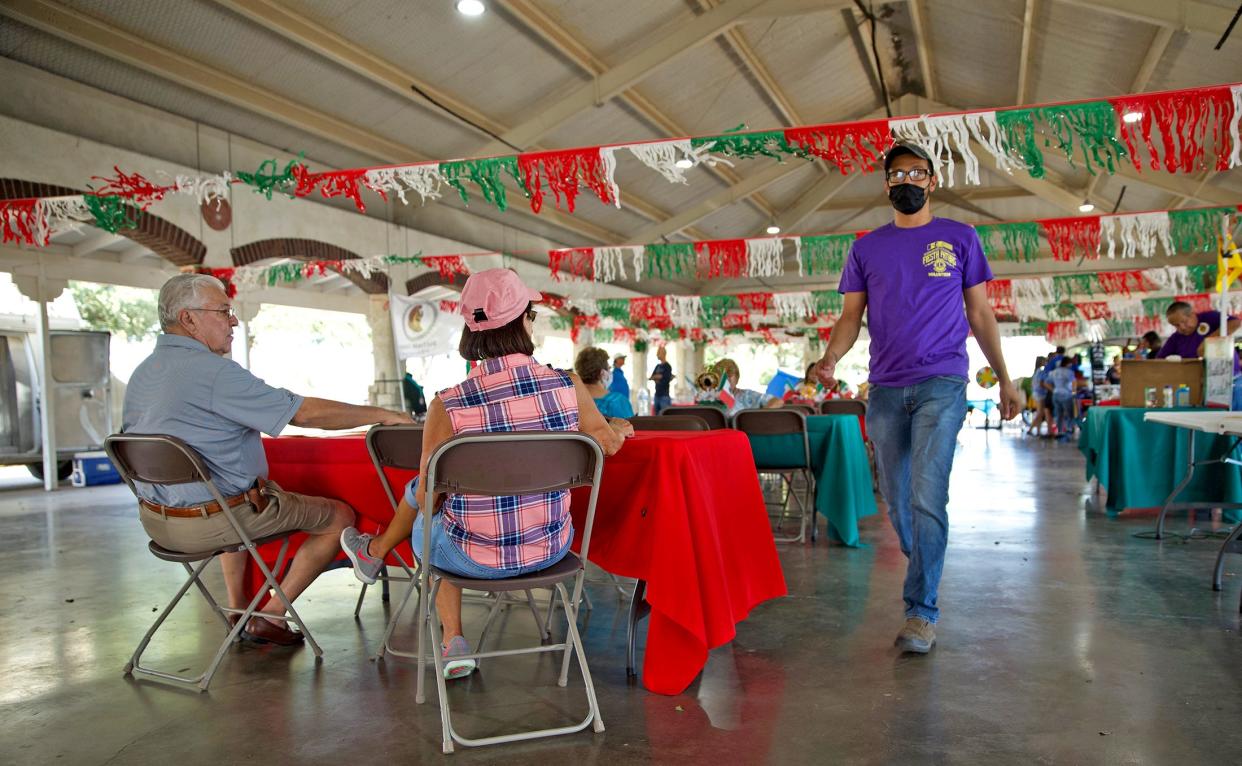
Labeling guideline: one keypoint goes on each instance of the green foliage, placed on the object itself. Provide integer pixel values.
(123, 311)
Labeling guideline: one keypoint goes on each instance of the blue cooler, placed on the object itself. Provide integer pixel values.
(91, 468)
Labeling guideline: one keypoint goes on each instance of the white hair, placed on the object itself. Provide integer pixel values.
(182, 292)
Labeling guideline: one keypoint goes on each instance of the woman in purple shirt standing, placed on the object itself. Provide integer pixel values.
(912, 276)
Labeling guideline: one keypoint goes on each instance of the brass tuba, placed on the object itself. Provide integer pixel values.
(708, 380)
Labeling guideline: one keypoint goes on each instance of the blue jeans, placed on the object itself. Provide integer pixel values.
(1063, 411)
(914, 432)
(662, 403)
(447, 556)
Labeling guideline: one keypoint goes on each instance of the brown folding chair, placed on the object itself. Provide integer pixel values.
(166, 460)
(715, 417)
(805, 409)
(785, 422)
(669, 423)
(497, 465)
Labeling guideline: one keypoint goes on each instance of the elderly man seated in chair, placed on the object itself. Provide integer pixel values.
(187, 389)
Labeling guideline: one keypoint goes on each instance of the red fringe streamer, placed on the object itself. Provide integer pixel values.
(448, 265)
(825, 333)
(853, 146)
(624, 335)
(1144, 325)
(721, 258)
(553, 302)
(755, 303)
(736, 322)
(578, 262)
(224, 275)
(1185, 119)
(580, 321)
(450, 307)
(652, 310)
(1000, 288)
(697, 335)
(768, 336)
(1124, 282)
(1094, 310)
(134, 187)
(1058, 331)
(565, 172)
(1003, 305)
(1066, 236)
(334, 183)
(18, 219)
(1200, 302)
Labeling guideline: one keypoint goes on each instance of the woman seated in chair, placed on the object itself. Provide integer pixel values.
(743, 398)
(592, 367)
(490, 537)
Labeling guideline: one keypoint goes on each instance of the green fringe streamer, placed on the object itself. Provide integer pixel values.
(825, 255)
(1092, 127)
(1018, 128)
(769, 143)
(1033, 327)
(561, 323)
(484, 173)
(1019, 241)
(827, 302)
(1060, 310)
(112, 214)
(1071, 285)
(1202, 277)
(712, 308)
(1196, 231)
(669, 260)
(285, 272)
(671, 333)
(1119, 328)
(267, 181)
(1155, 307)
(617, 309)
(640, 346)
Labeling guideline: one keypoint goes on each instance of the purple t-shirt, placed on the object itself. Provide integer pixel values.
(914, 280)
(1187, 346)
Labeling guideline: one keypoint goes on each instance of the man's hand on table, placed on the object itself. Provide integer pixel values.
(394, 418)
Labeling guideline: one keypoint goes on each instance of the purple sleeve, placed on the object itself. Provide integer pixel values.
(1167, 348)
(976, 268)
(852, 279)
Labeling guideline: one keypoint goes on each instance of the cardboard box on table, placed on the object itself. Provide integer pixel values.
(1139, 374)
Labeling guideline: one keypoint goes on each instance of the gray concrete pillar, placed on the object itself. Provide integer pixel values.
(43, 290)
(386, 390)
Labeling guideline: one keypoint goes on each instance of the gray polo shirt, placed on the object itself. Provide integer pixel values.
(214, 405)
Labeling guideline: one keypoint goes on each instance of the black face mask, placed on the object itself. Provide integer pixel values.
(908, 199)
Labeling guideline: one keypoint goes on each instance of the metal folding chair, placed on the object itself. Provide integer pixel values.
(165, 460)
(805, 409)
(785, 422)
(501, 464)
(669, 423)
(715, 417)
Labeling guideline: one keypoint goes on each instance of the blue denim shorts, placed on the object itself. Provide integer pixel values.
(447, 556)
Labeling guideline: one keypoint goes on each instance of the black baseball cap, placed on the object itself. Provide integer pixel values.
(912, 149)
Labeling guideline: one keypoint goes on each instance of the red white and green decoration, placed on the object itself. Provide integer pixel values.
(1181, 131)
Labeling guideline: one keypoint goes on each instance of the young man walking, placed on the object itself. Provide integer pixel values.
(913, 277)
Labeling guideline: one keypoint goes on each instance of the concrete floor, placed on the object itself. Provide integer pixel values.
(1065, 639)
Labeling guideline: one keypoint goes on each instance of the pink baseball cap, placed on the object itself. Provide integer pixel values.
(494, 298)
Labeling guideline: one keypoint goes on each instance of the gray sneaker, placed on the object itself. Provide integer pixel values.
(366, 566)
(918, 636)
(457, 668)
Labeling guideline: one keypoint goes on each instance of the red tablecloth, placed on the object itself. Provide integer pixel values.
(682, 511)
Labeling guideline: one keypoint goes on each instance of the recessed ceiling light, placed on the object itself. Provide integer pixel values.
(774, 229)
(471, 7)
(684, 163)
(1086, 207)
(1132, 116)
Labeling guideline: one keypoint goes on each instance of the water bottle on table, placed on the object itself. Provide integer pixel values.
(644, 402)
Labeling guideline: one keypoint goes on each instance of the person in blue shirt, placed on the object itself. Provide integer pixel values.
(592, 366)
(1061, 383)
(619, 384)
(1039, 396)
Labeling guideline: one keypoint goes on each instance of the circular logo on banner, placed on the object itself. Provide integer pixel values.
(986, 377)
(420, 317)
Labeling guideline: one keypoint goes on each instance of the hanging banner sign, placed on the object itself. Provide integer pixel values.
(421, 329)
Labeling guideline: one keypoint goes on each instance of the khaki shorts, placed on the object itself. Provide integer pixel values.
(286, 511)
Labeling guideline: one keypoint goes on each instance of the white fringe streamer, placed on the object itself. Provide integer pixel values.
(765, 257)
(56, 214)
(1235, 158)
(204, 188)
(797, 245)
(609, 263)
(424, 179)
(586, 306)
(684, 310)
(1140, 233)
(1175, 279)
(609, 160)
(940, 136)
(1039, 288)
(640, 262)
(662, 156)
(793, 306)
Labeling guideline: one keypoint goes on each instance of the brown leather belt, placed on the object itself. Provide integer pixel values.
(254, 495)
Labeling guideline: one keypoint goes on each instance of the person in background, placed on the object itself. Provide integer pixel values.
(188, 389)
(809, 391)
(591, 366)
(1060, 383)
(1054, 359)
(1149, 346)
(1038, 395)
(619, 384)
(415, 400)
(1114, 372)
(479, 536)
(663, 377)
(1193, 328)
(743, 398)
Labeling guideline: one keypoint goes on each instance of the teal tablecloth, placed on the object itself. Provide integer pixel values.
(1139, 463)
(839, 461)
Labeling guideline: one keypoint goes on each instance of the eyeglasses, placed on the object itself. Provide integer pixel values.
(914, 174)
(531, 315)
(230, 315)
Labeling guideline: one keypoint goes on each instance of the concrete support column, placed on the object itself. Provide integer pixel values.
(640, 382)
(242, 344)
(386, 390)
(42, 290)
